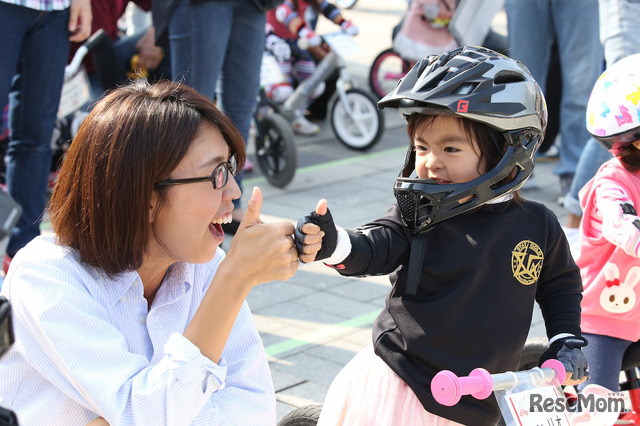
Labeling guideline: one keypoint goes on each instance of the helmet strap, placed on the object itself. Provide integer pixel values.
(416, 258)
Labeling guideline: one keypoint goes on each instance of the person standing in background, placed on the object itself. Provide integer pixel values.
(533, 26)
(216, 48)
(136, 54)
(619, 20)
(35, 43)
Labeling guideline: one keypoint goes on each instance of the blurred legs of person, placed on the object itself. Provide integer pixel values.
(619, 20)
(34, 51)
(581, 58)
(219, 45)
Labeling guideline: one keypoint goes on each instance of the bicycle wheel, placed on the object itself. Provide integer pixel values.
(386, 69)
(346, 4)
(276, 149)
(532, 351)
(307, 415)
(362, 129)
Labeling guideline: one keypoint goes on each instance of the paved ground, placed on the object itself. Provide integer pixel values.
(313, 324)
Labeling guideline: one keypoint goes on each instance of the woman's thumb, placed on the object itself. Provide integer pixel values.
(252, 213)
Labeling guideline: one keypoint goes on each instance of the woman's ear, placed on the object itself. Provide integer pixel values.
(153, 206)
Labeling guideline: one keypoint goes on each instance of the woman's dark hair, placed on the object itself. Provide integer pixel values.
(134, 137)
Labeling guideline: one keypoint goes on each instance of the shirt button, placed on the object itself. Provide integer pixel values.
(123, 299)
(142, 319)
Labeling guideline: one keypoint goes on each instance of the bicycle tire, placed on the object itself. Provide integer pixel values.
(365, 131)
(532, 351)
(385, 71)
(307, 415)
(276, 149)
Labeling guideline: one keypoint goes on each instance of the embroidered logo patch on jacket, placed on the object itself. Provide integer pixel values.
(526, 262)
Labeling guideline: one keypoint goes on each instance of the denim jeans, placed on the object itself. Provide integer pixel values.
(216, 48)
(533, 25)
(604, 354)
(33, 53)
(619, 21)
(592, 157)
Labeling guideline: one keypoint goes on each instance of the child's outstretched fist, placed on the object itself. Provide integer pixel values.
(316, 235)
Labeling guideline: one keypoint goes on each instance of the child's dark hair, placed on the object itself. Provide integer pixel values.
(630, 157)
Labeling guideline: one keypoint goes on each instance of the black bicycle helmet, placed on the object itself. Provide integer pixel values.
(480, 85)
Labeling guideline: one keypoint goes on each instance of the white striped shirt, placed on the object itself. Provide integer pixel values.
(87, 345)
(43, 5)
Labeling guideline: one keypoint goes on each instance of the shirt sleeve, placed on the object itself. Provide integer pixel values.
(620, 221)
(67, 334)
(559, 290)
(377, 248)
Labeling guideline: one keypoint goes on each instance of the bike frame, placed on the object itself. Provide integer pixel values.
(632, 384)
(324, 69)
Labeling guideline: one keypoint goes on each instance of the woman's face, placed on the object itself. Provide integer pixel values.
(188, 226)
(445, 153)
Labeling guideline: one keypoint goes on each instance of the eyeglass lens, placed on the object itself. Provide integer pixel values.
(221, 173)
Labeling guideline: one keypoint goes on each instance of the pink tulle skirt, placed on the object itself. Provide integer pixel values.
(368, 392)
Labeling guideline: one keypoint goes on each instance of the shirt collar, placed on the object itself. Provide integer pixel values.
(505, 197)
(177, 281)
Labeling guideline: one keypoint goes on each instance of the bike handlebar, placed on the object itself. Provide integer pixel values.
(96, 38)
(447, 388)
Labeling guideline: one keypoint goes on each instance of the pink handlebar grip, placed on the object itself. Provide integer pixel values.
(447, 388)
(556, 365)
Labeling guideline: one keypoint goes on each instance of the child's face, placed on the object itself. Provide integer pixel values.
(445, 153)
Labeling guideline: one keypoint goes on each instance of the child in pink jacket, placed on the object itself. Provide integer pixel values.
(609, 257)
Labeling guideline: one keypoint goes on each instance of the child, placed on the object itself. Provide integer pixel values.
(285, 25)
(424, 29)
(610, 229)
(468, 256)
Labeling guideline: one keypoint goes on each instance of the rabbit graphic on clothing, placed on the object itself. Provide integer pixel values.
(619, 297)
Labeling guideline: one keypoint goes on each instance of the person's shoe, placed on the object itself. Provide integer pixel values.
(551, 154)
(565, 185)
(304, 127)
(53, 177)
(248, 166)
(573, 238)
(6, 263)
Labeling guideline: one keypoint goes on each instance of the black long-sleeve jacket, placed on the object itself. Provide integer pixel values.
(480, 276)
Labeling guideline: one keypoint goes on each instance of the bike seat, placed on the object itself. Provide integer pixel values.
(631, 358)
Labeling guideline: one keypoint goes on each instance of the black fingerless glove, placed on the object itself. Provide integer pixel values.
(568, 351)
(330, 239)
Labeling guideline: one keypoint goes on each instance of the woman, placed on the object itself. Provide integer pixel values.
(131, 311)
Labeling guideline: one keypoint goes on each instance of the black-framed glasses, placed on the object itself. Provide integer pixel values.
(218, 178)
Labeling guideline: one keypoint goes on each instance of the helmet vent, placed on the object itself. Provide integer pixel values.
(465, 89)
(407, 204)
(508, 76)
